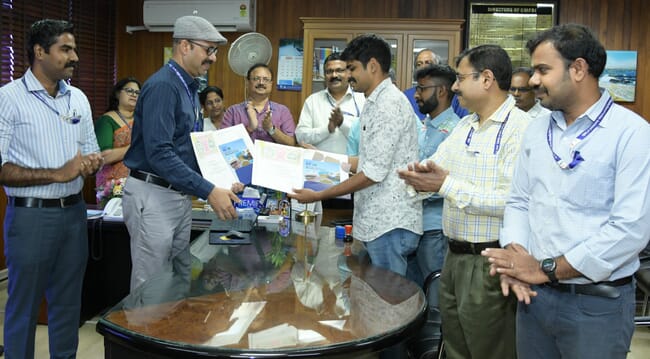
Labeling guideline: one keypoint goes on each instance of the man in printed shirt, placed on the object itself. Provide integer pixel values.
(385, 217)
(48, 146)
(579, 211)
(472, 170)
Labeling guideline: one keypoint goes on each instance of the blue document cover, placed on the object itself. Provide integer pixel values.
(320, 175)
(239, 158)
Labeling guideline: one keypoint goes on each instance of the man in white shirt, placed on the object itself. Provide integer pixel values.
(327, 115)
(523, 93)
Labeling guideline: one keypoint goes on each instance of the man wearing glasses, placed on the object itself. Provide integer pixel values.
(433, 96)
(579, 211)
(472, 170)
(163, 169)
(523, 93)
(328, 115)
(427, 57)
(264, 119)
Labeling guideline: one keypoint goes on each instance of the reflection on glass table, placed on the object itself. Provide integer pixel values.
(292, 295)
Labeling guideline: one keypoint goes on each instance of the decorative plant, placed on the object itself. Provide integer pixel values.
(112, 188)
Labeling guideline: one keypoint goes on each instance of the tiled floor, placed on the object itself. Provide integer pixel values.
(91, 345)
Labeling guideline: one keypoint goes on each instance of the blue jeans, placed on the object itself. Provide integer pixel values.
(391, 249)
(429, 256)
(564, 325)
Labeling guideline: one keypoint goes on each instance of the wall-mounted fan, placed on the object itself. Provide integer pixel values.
(248, 50)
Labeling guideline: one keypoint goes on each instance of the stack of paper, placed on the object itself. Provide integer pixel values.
(283, 335)
(244, 316)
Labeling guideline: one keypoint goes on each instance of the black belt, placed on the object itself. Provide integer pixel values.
(601, 289)
(464, 247)
(151, 178)
(32, 202)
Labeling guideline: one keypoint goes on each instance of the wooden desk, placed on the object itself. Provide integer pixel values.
(168, 318)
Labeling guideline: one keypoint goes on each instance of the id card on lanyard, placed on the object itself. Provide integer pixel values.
(576, 158)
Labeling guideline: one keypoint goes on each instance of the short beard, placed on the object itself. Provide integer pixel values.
(429, 105)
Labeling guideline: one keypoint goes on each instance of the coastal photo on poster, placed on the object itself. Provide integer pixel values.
(619, 76)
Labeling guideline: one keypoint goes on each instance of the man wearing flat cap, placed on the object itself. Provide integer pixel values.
(163, 169)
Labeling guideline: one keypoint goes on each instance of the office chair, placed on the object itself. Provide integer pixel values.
(427, 343)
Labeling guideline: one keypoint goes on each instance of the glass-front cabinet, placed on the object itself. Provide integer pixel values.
(406, 37)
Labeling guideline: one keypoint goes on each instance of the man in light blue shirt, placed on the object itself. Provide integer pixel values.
(433, 97)
(48, 146)
(426, 57)
(579, 210)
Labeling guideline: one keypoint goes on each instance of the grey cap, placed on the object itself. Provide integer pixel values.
(197, 28)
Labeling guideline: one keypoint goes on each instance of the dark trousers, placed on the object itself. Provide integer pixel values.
(564, 325)
(46, 251)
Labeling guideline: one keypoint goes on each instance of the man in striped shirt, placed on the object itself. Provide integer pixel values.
(472, 170)
(48, 146)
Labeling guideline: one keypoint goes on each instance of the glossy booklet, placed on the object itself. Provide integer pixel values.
(284, 168)
(225, 156)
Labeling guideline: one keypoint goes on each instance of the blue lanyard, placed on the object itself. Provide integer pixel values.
(577, 158)
(197, 124)
(497, 141)
(69, 118)
(344, 112)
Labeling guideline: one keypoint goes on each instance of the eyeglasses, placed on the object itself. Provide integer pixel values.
(210, 50)
(264, 80)
(131, 92)
(520, 89)
(461, 77)
(420, 89)
(333, 71)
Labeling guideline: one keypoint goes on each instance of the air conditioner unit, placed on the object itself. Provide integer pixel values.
(225, 15)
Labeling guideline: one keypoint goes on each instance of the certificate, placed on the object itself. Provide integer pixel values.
(284, 168)
(225, 156)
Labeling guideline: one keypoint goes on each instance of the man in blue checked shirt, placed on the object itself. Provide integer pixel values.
(579, 211)
(48, 146)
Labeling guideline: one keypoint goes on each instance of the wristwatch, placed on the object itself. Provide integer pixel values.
(548, 266)
(271, 131)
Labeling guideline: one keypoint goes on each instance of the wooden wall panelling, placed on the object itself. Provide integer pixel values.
(140, 54)
(619, 25)
(622, 25)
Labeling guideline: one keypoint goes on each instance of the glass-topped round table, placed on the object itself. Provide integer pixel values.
(295, 295)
